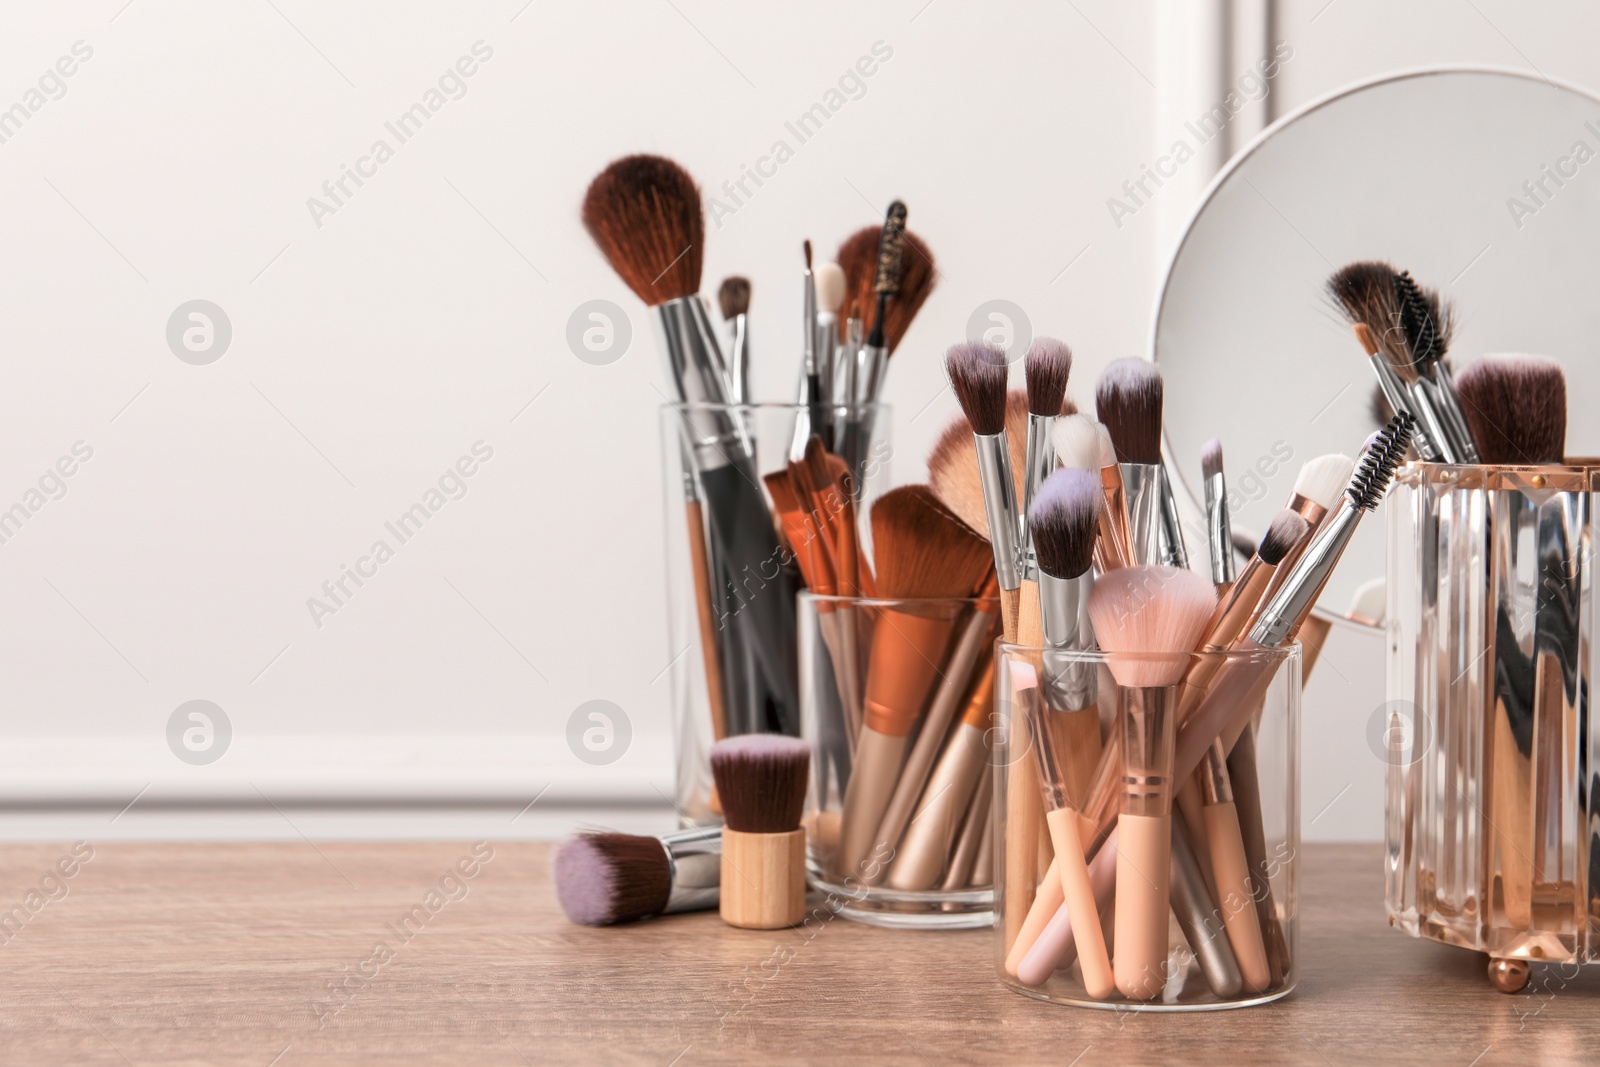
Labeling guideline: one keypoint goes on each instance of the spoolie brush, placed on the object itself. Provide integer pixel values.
(733, 299)
(1516, 408)
(602, 878)
(1128, 400)
(762, 781)
(1427, 322)
(1218, 529)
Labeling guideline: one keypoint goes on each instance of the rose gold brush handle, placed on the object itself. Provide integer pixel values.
(1144, 864)
(1235, 894)
(1055, 946)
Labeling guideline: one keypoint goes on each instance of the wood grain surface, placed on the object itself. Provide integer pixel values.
(223, 954)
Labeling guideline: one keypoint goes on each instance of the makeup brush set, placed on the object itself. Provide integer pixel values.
(1489, 623)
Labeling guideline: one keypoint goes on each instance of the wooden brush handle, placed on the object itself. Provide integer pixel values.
(1010, 606)
(700, 571)
(1030, 623)
(763, 879)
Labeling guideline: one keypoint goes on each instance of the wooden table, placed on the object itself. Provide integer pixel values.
(223, 953)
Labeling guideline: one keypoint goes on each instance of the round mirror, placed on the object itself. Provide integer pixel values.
(1485, 184)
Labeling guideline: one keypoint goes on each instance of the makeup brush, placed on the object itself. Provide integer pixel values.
(858, 258)
(1082, 443)
(762, 781)
(1516, 409)
(924, 552)
(645, 215)
(953, 463)
(1148, 620)
(828, 279)
(978, 377)
(1046, 367)
(1426, 323)
(1219, 532)
(888, 272)
(1128, 400)
(819, 409)
(1317, 489)
(602, 878)
(1065, 519)
(733, 299)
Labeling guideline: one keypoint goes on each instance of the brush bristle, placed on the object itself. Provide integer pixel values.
(1378, 406)
(858, 258)
(923, 549)
(1285, 531)
(1148, 619)
(644, 212)
(1378, 462)
(978, 376)
(891, 251)
(1077, 442)
(829, 280)
(1211, 458)
(805, 248)
(612, 878)
(761, 780)
(1046, 368)
(1128, 402)
(1324, 478)
(733, 296)
(1108, 447)
(953, 465)
(1516, 408)
(1427, 321)
(1064, 519)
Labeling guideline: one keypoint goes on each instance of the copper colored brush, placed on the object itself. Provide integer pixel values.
(924, 552)
(858, 257)
(1516, 408)
(602, 878)
(644, 213)
(762, 781)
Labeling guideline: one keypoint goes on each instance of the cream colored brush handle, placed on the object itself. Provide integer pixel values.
(1045, 904)
(1144, 868)
(1055, 947)
(920, 859)
(872, 776)
(1066, 834)
(1234, 896)
(1024, 818)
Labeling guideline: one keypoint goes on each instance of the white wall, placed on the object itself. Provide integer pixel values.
(429, 313)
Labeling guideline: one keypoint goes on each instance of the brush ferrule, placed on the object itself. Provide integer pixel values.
(1038, 462)
(808, 331)
(1149, 728)
(1141, 487)
(999, 504)
(1298, 594)
(1219, 535)
(826, 343)
(1174, 553)
(1450, 401)
(695, 857)
(1068, 682)
(739, 361)
(694, 358)
(1393, 390)
(1431, 422)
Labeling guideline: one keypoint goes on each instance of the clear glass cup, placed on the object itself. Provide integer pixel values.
(1193, 889)
(1489, 666)
(731, 578)
(895, 700)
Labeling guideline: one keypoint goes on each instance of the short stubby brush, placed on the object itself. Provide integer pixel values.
(761, 779)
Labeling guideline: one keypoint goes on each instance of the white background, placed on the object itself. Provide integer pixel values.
(430, 312)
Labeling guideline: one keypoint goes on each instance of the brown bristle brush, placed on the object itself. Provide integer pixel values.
(604, 878)
(762, 781)
(1516, 409)
(644, 213)
(1046, 367)
(1128, 400)
(733, 300)
(924, 553)
(858, 258)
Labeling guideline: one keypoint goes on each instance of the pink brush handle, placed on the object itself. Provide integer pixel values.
(1055, 947)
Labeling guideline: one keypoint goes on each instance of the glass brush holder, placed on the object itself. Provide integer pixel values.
(732, 577)
(896, 698)
(1486, 735)
(1173, 891)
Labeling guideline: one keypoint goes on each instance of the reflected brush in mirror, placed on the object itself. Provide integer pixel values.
(1219, 532)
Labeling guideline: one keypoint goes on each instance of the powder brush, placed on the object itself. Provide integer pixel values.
(602, 878)
(1516, 408)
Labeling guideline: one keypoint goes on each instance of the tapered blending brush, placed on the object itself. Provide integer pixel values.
(1082, 443)
(644, 213)
(1046, 368)
(1516, 409)
(602, 879)
(762, 781)
(924, 552)
(733, 299)
(978, 377)
(1148, 620)
(1219, 532)
(1128, 400)
(1426, 323)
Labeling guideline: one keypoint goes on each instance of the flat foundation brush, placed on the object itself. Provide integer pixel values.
(1219, 532)
(603, 879)
(1128, 400)
(644, 213)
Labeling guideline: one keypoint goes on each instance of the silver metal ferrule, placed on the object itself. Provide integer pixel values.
(1444, 384)
(1174, 553)
(695, 857)
(1304, 583)
(1219, 535)
(999, 504)
(1393, 391)
(1039, 462)
(849, 359)
(1431, 421)
(1141, 483)
(739, 361)
(1068, 682)
(714, 437)
(826, 345)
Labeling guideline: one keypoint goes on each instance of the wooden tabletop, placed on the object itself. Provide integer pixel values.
(224, 954)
